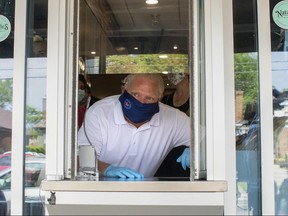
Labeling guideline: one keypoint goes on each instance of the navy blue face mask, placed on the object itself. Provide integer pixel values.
(136, 111)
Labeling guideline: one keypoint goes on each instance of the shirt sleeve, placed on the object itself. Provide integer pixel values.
(183, 129)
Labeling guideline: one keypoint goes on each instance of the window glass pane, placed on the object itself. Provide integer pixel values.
(279, 48)
(36, 71)
(248, 143)
(117, 38)
(7, 14)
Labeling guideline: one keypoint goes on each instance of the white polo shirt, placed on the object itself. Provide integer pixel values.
(121, 144)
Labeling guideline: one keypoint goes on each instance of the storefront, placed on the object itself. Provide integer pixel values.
(234, 53)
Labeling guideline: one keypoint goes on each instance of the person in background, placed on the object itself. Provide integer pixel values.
(85, 98)
(132, 133)
(179, 99)
(39, 46)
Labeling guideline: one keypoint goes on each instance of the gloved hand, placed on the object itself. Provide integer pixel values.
(184, 159)
(122, 172)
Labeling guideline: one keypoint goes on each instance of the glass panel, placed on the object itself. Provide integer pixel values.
(7, 14)
(279, 39)
(248, 143)
(35, 105)
(117, 38)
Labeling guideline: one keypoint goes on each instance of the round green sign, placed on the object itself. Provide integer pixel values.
(5, 28)
(280, 14)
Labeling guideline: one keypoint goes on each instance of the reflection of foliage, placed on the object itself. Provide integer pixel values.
(6, 93)
(146, 63)
(246, 76)
(33, 133)
(38, 149)
(33, 116)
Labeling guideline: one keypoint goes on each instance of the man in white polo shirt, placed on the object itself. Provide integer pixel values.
(133, 132)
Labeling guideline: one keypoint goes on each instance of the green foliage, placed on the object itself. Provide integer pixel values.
(38, 149)
(6, 87)
(33, 133)
(33, 116)
(246, 76)
(148, 63)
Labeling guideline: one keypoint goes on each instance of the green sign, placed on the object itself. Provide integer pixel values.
(5, 28)
(280, 14)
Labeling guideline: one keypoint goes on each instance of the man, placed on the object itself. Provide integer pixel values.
(133, 133)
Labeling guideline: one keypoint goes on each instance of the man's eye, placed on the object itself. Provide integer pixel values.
(134, 94)
(151, 99)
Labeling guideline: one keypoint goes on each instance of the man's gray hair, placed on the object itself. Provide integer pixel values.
(157, 77)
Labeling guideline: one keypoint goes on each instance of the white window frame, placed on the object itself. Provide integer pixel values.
(57, 89)
(266, 107)
(18, 113)
(220, 98)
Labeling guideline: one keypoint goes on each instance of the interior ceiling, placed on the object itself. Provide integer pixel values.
(133, 24)
(152, 28)
(155, 28)
(168, 15)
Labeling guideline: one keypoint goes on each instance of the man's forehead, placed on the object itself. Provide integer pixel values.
(142, 79)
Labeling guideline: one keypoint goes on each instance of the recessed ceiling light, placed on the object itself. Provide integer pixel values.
(93, 52)
(136, 48)
(151, 2)
(175, 47)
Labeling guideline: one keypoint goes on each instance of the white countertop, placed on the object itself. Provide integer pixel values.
(148, 185)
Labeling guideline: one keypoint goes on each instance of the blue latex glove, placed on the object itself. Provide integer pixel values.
(184, 159)
(122, 172)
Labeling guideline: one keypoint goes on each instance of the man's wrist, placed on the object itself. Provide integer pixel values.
(102, 166)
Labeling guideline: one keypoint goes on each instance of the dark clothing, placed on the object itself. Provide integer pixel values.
(169, 167)
(168, 99)
(93, 100)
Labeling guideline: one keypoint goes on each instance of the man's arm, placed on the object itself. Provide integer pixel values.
(102, 166)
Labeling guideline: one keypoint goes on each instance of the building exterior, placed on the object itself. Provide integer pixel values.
(235, 52)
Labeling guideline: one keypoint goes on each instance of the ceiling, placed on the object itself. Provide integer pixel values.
(132, 23)
(156, 28)
(153, 29)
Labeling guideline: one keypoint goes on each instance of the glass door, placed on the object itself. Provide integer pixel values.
(247, 96)
(279, 48)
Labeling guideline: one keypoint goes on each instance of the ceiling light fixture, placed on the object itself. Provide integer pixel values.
(151, 2)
